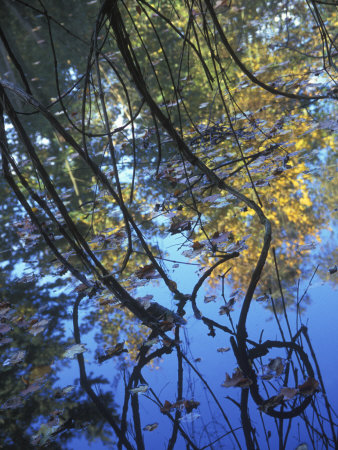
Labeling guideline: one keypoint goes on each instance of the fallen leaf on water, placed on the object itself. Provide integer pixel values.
(237, 380)
(67, 389)
(151, 427)
(38, 327)
(145, 301)
(209, 298)
(166, 325)
(4, 328)
(166, 407)
(49, 430)
(189, 417)
(151, 342)
(309, 387)
(197, 245)
(203, 105)
(262, 298)
(12, 403)
(39, 372)
(74, 350)
(274, 369)
(236, 246)
(4, 308)
(276, 365)
(179, 404)
(221, 238)
(223, 349)
(271, 402)
(190, 405)
(112, 351)
(5, 341)
(30, 389)
(302, 447)
(60, 393)
(288, 393)
(15, 358)
(211, 198)
(221, 3)
(227, 308)
(81, 287)
(178, 227)
(300, 248)
(147, 272)
(141, 389)
(235, 295)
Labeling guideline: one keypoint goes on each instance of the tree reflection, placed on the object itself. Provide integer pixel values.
(161, 133)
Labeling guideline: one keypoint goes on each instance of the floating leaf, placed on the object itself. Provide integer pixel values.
(220, 238)
(145, 301)
(274, 369)
(209, 298)
(276, 365)
(151, 427)
(211, 198)
(223, 349)
(271, 402)
(60, 393)
(237, 380)
(197, 246)
(288, 393)
(4, 328)
(147, 272)
(178, 227)
(166, 407)
(309, 387)
(221, 3)
(4, 308)
(12, 403)
(331, 124)
(38, 327)
(141, 389)
(151, 342)
(39, 372)
(67, 389)
(81, 288)
(74, 350)
(15, 358)
(190, 405)
(166, 317)
(236, 246)
(30, 389)
(227, 308)
(49, 430)
(112, 351)
(189, 417)
(5, 341)
(300, 248)
(302, 447)
(262, 298)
